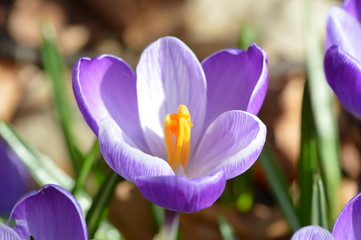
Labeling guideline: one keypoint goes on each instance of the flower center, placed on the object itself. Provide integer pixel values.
(177, 136)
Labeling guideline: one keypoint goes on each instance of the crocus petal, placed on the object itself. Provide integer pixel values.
(353, 7)
(49, 213)
(14, 179)
(236, 80)
(345, 31)
(127, 161)
(343, 74)
(182, 194)
(312, 233)
(232, 143)
(169, 74)
(347, 225)
(106, 86)
(7, 233)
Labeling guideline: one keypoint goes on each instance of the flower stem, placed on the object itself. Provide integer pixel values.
(169, 229)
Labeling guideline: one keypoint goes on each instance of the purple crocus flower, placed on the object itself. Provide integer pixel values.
(343, 57)
(48, 213)
(347, 225)
(177, 128)
(14, 179)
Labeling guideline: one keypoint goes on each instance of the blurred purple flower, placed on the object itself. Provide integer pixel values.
(347, 225)
(14, 179)
(179, 161)
(343, 57)
(48, 213)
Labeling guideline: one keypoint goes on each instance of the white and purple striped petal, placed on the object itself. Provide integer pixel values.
(236, 80)
(344, 31)
(169, 74)
(231, 144)
(342, 60)
(7, 233)
(353, 7)
(105, 86)
(182, 194)
(347, 225)
(128, 161)
(49, 213)
(343, 74)
(312, 233)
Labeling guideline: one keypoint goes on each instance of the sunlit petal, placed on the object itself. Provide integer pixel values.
(182, 194)
(49, 213)
(6, 233)
(231, 144)
(347, 225)
(343, 74)
(126, 160)
(312, 233)
(169, 75)
(236, 80)
(345, 31)
(105, 86)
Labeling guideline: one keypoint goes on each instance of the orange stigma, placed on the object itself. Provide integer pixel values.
(177, 136)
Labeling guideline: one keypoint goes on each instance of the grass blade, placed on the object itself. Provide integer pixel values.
(99, 207)
(319, 211)
(55, 69)
(279, 187)
(321, 101)
(86, 167)
(3, 221)
(248, 35)
(225, 229)
(158, 215)
(308, 163)
(42, 169)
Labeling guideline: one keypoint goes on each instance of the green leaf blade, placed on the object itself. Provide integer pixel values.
(55, 68)
(225, 229)
(319, 212)
(279, 187)
(308, 163)
(324, 114)
(99, 207)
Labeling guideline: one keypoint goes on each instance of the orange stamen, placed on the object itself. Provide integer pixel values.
(177, 136)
